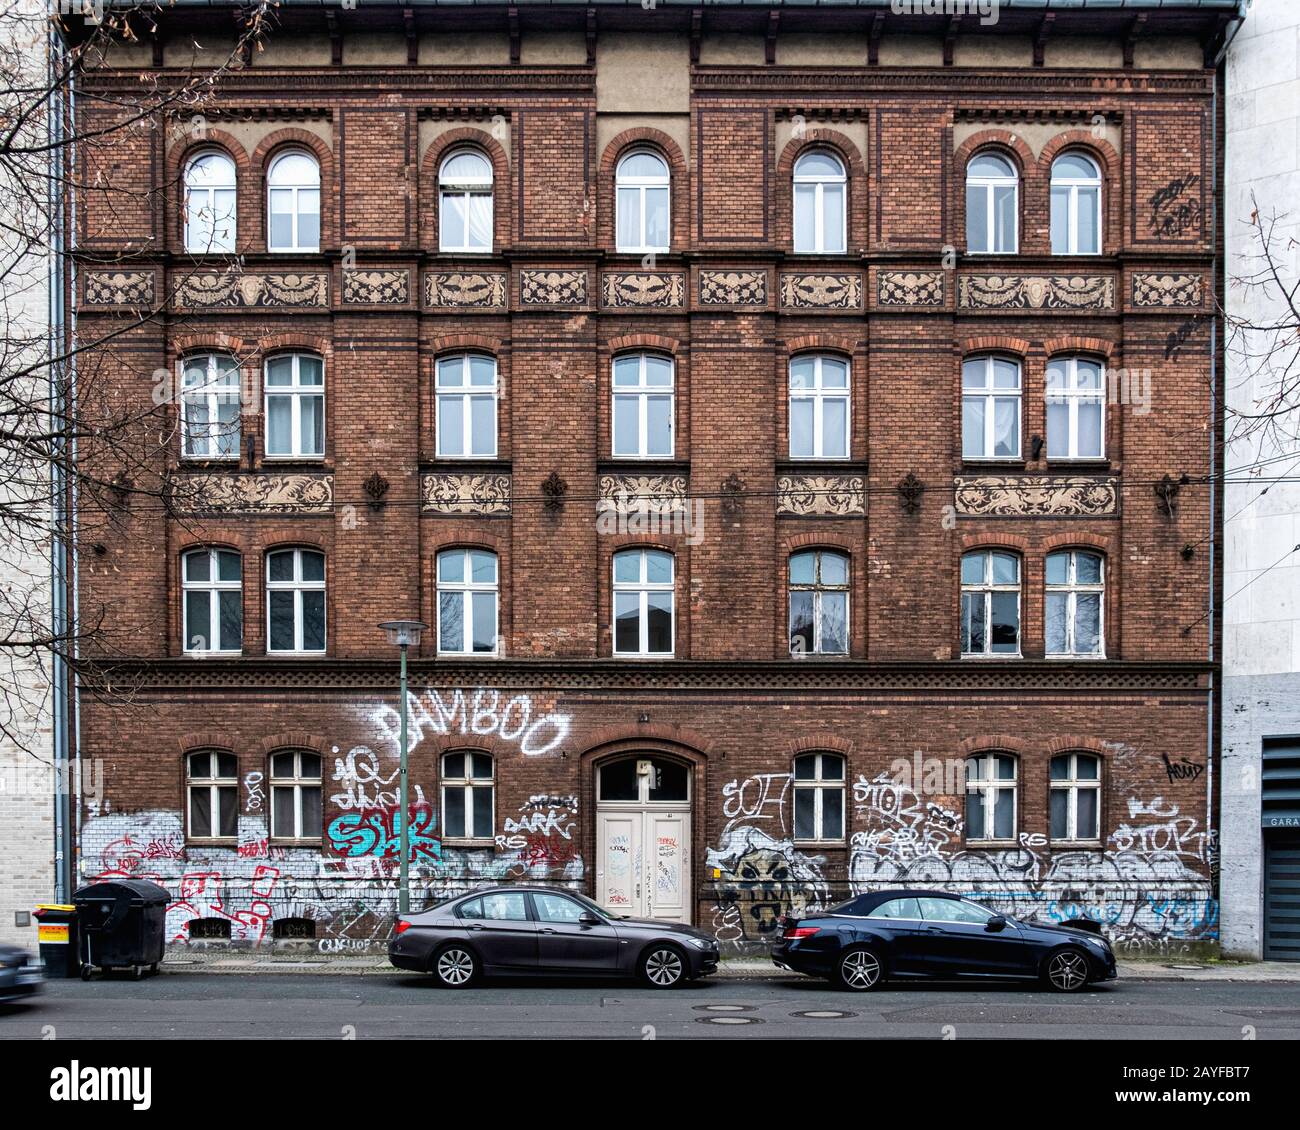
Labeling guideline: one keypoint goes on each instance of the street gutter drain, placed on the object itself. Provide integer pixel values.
(824, 1014)
(724, 1008)
(727, 1020)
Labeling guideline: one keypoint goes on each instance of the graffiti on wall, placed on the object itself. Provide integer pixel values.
(541, 833)
(485, 712)
(756, 871)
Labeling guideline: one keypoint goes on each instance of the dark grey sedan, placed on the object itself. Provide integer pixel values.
(532, 931)
(20, 974)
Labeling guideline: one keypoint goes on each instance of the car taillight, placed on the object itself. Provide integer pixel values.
(794, 931)
(401, 927)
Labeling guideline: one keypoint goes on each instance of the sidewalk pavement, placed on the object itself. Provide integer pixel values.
(754, 969)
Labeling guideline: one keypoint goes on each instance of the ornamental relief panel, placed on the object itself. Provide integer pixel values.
(910, 288)
(231, 288)
(254, 494)
(377, 288)
(733, 288)
(820, 496)
(119, 288)
(456, 493)
(553, 288)
(821, 292)
(485, 289)
(1035, 496)
(1166, 290)
(1036, 292)
(642, 289)
(657, 493)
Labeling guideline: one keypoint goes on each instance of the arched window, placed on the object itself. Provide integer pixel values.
(820, 186)
(1075, 799)
(819, 603)
(643, 602)
(990, 603)
(819, 407)
(212, 795)
(1076, 205)
(210, 203)
(293, 203)
(990, 408)
(465, 202)
(295, 601)
(467, 602)
(642, 202)
(295, 406)
(1076, 409)
(642, 412)
(213, 601)
(466, 391)
(467, 795)
(819, 797)
(666, 781)
(210, 407)
(295, 795)
(991, 797)
(992, 205)
(1075, 606)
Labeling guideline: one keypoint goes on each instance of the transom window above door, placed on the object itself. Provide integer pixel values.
(644, 780)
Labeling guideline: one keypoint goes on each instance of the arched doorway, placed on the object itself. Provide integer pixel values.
(643, 837)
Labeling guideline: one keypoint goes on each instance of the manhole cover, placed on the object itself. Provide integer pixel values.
(727, 1020)
(724, 1008)
(824, 1014)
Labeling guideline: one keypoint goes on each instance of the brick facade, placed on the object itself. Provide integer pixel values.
(555, 302)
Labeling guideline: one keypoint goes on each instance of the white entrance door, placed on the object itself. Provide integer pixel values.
(643, 865)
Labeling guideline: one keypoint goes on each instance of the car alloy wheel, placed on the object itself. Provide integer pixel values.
(455, 967)
(1067, 971)
(860, 970)
(663, 967)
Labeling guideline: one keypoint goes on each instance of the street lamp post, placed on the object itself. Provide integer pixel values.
(404, 634)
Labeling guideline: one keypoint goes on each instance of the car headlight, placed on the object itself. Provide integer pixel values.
(702, 943)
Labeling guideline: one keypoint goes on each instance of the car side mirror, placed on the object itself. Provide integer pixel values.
(996, 923)
(589, 918)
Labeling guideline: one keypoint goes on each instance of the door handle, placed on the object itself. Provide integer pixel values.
(476, 926)
(547, 930)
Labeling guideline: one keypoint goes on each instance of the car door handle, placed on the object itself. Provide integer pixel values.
(548, 930)
(476, 926)
(934, 930)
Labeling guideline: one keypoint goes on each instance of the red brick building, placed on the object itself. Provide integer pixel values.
(794, 426)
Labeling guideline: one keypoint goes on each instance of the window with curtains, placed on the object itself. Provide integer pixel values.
(210, 203)
(212, 594)
(466, 394)
(1076, 205)
(465, 202)
(990, 408)
(212, 795)
(819, 603)
(819, 407)
(643, 406)
(468, 786)
(642, 202)
(210, 402)
(1076, 408)
(1075, 797)
(294, 390)
(293, 203)
(819, 797)
(643, 602)
(992, 205)
(1075, 604)
(295, 795)
(295, 601)
(990, 603)
(467, 602)
(820, 191)
(991, 797)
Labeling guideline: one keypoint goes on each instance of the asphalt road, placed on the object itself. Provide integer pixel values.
(269, 1006)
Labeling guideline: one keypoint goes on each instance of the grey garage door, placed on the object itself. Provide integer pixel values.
(1282, 898)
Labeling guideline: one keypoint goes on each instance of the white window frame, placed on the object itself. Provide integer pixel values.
(817, 588)
(200, 201)
(466, 589)
(819, 394)
(213, 587)
(1073, 185)
(1073, 588)
(643, 588)
(1070, 394)
(640, 185)
(819, 785)
(466, 393)
(297, 782)
(985, 590)
(990, 395)
(988, 185)
(1072, 786)
(468, 784)
(820, 182)
(295, 245)
(219, 386)
(465, 189)
(642, 392)
(296, 392)
(297, 586)
(214, 783)
(988, 791)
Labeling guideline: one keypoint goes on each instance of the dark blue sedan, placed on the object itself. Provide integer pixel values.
(900, 934)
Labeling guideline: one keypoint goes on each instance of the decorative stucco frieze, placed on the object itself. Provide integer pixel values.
(657, 493)
(1035, 496)
(553, 288)
(1036, 292)
(1166, 290)
(254, 494)
(821, 291)
(119, 288)
(231, 288)
(377, 288)
(474, 289)
(643, 289)
(910, 288)
(733, 288)
(820, 496)
(465, 493)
